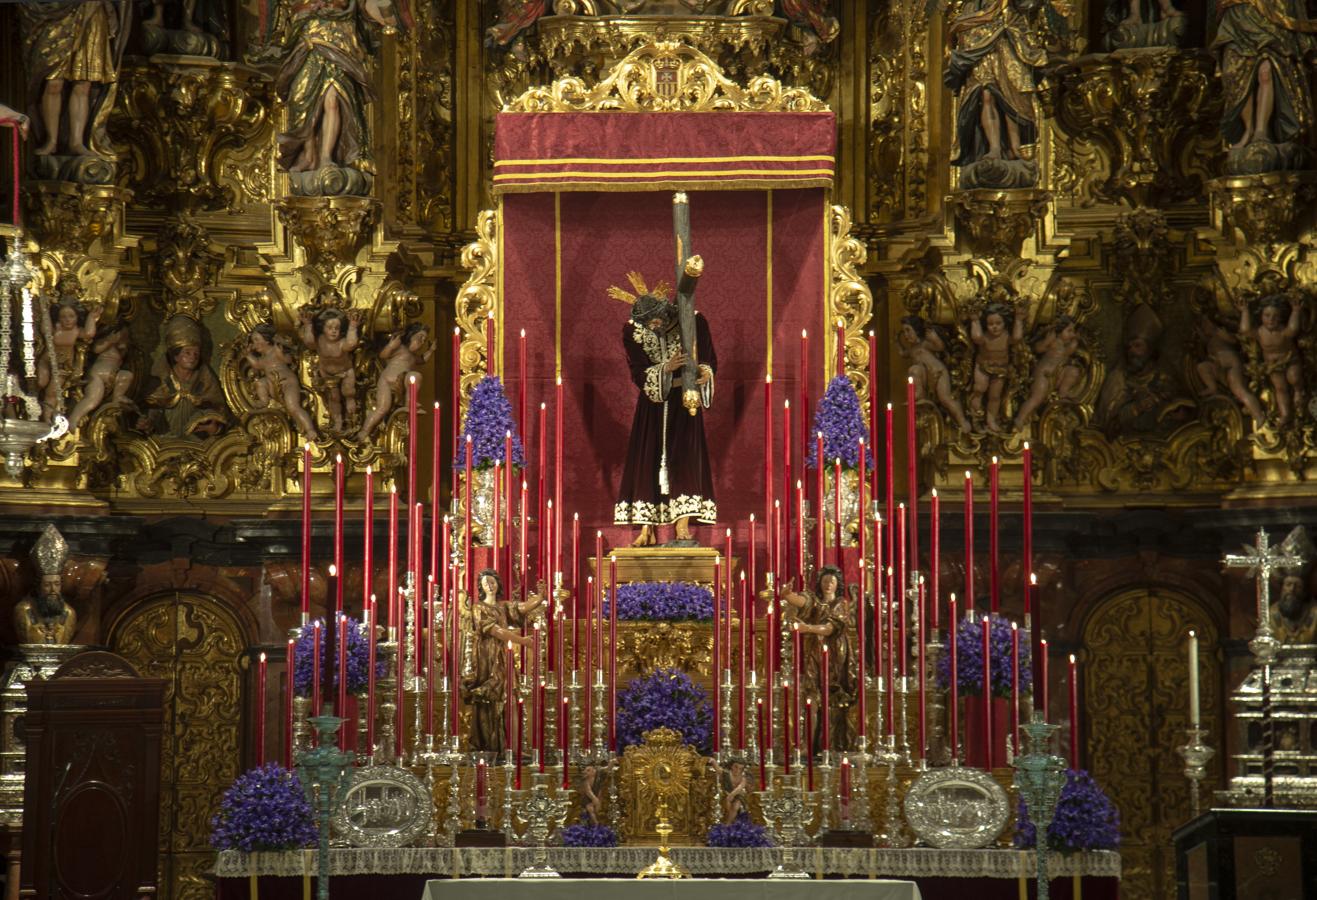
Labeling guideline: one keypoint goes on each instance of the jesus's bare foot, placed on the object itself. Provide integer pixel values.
(684, 529)
(645, 538)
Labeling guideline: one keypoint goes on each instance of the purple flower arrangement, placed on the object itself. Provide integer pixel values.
(264, 809)
(840, 419)
(969, 658)
(1085, 818)
(488, 421)
(665, 698)
(662, 601)
(586, 834)
(358, 658)
(742, 832)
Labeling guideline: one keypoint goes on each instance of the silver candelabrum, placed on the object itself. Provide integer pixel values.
(386, 691)
(1196, 756)
(541, 812)
(787, 807)
(1039, 777)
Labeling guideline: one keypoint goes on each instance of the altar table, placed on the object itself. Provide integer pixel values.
(401, 873)
(686, 889)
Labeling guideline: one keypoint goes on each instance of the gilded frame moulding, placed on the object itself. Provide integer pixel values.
(632, 85)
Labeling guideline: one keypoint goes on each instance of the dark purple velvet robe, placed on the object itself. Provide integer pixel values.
(662, 422)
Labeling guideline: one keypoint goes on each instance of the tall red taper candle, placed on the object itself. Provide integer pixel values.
(718, 661)
(541, 505)
(986, 691)
(994, 533)
(338, 532)
(809, 743)
(804, 400)
(393, 557)
(800, 531)
(260, 710)
(468, 574)
(788, 490)
(902, 648)
(741, 667)
(1015, 688)
(521, 385)
(912, 472)
(969, 544)
(788, 723)
(836, 511)
(860, 633)
(1027, 568)
(412, 441)
(759, 713)
(456, 412)
(1035, 628)
(306, 534)
(290, 671)
(873, 405)
(368, 539)
(317, 645)
(841, 347)
(953, 708)
(923, 670)
(768, 456)
(612, 653)
(436, 502)
(1042, 687)
(797, 665)
(1074, 713)
(890, 490)
(825, 686)
(576, 592)
(368, 617)
(491, 366)
(509, 706)
(820, 528)
(727, 660)
(557, 481)
(590, 597)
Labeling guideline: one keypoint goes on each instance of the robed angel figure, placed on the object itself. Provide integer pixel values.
(667, 478)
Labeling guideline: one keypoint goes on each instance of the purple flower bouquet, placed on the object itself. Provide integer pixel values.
(264, 809)
(841, 420)
(1085, 818)
(742, 832)
(662, 601)
(665, 698)
(585, 834)
(969, 658)
(488, 421)
(358, 658)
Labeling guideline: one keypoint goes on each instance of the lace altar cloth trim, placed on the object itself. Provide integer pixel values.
(492, 862)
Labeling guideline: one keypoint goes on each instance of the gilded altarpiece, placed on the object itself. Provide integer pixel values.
(194, 643)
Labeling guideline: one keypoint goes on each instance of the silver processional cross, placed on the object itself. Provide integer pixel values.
(1261, 561)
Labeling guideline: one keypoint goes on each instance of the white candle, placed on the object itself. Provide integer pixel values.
(1193, 680)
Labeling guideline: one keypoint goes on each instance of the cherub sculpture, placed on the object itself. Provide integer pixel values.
(994, 333)
(1055, 374)
(920, 345)
(271, 361)
(593, 779)
(1222, 365)
(106, 375)
(333, 335)
(1277, 340)
(72, 327)
(735, 789)
(401, 355)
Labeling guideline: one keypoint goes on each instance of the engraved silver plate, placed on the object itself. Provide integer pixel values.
(956, 808)
(384, 807)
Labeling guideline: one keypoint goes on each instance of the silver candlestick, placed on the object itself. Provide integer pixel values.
(574, 714)
(453, 810)
(1196, 756)
(509, 767)
(752, 716)
(724, 739)
(542, 811)
(786, 808)
(893, 834)
(387, 708)
(599, 726)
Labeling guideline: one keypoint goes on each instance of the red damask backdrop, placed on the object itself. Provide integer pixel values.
(593, 240)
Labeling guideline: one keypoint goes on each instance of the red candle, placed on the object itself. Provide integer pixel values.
(718, 662)
(768, 452)
(456, 378)
(953, 708)
(1027, 568)
(468, 575)
(400, 696)
(338, 531)
(845, 788)
(509, 466)
(796, 664)
(744, 652)
(727, 636)
(902, 649)
(912, 471)
(809, 742)
(770, 637)
(421, 595)
(800, 531)
(521, 385)
(523, 571)
(1015, 687)
(836, 509)
(511, 703)
(935, 554)
(260, 710)
(315, 667)
(521, 738)
(393, 556)
(542, 553)
(1043, 686)
(878, 614)
(787, 493)
(562, 743)
(482, 789)
(890, 490)
(923, 671)
(436, 504)
(290, 670)
(1034, 625)
(430, 674)
(1074, 713)
(753, 559)
(491, 367)
(860, 633)
(412, 385)
(873, 401)
(496, 535)
(787, 723)
(576, 592)
(342, 675)
(557, 479)
(969, 544)
(599, 591)
(306, 532)
(612, 654)
(589, 656)
(804, 399)
(987, 693)
(825, 689)
(368, 619)
(368, 539)
(994, 529)
(759, 712)
(536, 699)
(819, 529)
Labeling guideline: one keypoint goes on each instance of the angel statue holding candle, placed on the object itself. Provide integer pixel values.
(495, 624)
(825, 619)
